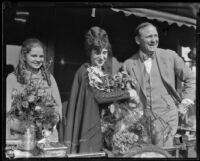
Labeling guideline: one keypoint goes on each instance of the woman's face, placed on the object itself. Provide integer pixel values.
(35, 58)
(99, 58)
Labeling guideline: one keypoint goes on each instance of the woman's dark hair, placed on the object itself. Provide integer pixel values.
(97, 39)
(142, 25)
(20, 70)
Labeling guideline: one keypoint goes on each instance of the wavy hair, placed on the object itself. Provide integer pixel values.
(97, 39)
(20, 70)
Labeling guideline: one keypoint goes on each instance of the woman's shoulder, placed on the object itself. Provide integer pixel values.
(51, 76)
(82, 69)
(81, 72)
(11, 81)
(11, 77)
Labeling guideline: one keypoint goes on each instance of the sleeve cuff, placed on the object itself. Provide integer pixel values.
(187, 101)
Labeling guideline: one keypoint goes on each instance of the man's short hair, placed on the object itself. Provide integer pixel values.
(142, 25)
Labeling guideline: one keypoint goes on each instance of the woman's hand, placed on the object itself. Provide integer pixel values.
(133, 95)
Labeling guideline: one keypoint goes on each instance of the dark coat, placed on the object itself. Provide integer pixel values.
(82, 126)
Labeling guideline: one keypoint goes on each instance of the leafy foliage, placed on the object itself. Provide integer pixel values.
(34, 106)
(122, 123)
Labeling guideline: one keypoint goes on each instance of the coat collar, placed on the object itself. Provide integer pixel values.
(162, 61)
(138, 68)
(162, 66)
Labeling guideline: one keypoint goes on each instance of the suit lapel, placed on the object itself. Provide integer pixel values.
(138, 69)
(162, 66)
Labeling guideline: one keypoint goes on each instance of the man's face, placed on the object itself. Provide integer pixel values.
(148, 39)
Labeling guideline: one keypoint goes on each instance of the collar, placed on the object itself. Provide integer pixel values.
(144, 56)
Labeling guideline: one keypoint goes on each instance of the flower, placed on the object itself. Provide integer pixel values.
(107, 83)
(123, 141)
(25, 104)
(31, 98)
(14, 92)
(112, 108)
(34, 106)
(37, 108)
(122, 123)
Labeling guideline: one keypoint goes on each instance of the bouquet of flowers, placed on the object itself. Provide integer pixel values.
(122, 123)
(108, 83)
(34, 107)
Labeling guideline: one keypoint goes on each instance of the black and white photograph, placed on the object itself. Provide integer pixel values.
(100, 80)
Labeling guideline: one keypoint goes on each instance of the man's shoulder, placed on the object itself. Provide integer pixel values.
(166, 52)
(128, 62)
(131, 59)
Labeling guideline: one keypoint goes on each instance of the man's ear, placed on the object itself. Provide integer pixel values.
(137, 40)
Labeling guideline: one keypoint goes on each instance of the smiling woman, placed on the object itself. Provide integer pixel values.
(93, 89)
(35, 59)
(31, 71)
(99, 58)
(83, 130)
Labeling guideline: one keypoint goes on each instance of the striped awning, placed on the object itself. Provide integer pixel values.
(161, 16)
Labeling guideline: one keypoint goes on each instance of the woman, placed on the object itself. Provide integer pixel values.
(83, 123)
(31, 67)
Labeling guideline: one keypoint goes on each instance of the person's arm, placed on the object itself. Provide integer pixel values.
(184, 73)
(127, 67)
(14, 124)
(10, 81)
(109, 97)
(56, 95)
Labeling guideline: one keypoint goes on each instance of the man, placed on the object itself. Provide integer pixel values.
(155, 70)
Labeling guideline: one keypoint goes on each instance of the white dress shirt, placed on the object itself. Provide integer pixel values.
(148, 65)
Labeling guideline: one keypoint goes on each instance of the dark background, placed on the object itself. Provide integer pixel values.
(62, 27)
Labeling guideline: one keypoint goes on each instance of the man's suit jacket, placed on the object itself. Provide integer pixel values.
(169, 65)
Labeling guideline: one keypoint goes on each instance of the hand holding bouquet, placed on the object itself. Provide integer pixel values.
(34, 106)
(121, 122)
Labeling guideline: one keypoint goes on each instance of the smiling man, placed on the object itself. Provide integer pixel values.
(155, 70)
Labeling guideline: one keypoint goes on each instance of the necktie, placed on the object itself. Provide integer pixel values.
(147, 56)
